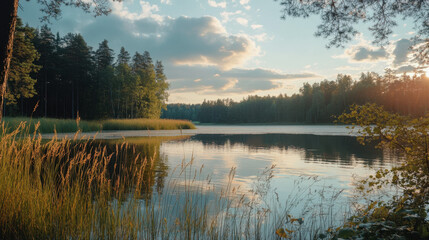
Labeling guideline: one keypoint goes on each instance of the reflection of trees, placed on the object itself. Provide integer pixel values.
(335, 149)
(135, 164)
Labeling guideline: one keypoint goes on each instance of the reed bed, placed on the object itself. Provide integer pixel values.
(146, 124)
(65, 189)
(51, 125)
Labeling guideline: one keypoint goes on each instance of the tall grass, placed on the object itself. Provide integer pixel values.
(67, 190)
(51, 125)
(146, 124)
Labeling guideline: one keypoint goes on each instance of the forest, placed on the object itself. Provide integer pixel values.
(317, 103)
(62, 77)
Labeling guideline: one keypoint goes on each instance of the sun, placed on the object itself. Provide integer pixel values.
(426, 71)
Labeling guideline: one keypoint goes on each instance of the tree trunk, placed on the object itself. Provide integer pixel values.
(8, 12)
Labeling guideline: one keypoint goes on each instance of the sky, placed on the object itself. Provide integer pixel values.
(229, 48)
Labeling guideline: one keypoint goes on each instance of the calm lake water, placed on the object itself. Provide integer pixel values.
(329, 153)
(313, 174)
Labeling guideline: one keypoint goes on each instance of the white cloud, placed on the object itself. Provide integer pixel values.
(236, 80)
(213, 3)
(230, 84)
(405, 69)
(242, 21)
(204, 41)
(348, 68)
(367, 54)
(188, 41)
(147, 11)
(226, 16)
(168, 2)
(364, 52)
(245, 4)
(398, 55)
(256, 26)
(260, 37)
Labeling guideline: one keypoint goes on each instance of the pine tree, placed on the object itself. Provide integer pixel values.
(123, 57)
(105, 82)
(45, 44)
(77, 69)
(162, 85)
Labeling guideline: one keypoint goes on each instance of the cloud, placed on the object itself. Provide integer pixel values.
(405, 69)
(348, 68)
(146, 11)
(236, 80)
(213, 3)
(261, 73)
(256, 26)
(401, 51)
(230, 84)
(182, 41)
(261, 37)
(242, 21)
(168, 2)
(204, 41)
(245, 4)
(226, 16)
(366, 54)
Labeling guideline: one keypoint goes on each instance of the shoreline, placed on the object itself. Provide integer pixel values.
(328, 130)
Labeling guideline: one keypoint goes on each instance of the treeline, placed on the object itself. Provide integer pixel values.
(66, 78)
(181, 111)
(315, 103)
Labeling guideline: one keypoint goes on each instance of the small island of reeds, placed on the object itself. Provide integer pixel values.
(51, 125)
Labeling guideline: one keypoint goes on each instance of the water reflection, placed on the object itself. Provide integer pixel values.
(298, 158)
(343, 150)
(333, 158)
(136, 157)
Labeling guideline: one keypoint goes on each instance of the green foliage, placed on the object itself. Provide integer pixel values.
(21, 83)
(405, 214)
(181, 111)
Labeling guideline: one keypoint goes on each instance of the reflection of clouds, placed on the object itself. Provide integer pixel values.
(334, 159)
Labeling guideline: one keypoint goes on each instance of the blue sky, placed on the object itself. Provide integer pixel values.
(229, 48)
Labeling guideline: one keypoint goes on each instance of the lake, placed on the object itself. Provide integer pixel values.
(295, 165)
